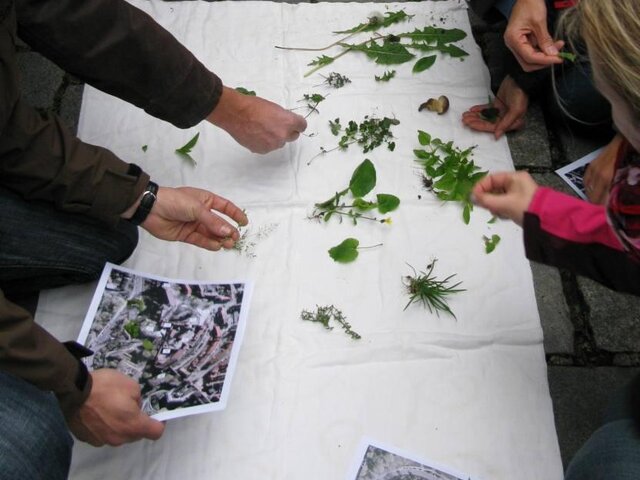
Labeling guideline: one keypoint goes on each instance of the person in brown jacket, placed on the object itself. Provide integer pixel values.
(67, 207)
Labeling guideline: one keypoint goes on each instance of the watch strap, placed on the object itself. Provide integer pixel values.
(146, 204)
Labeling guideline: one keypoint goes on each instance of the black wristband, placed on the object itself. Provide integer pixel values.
(146, 204)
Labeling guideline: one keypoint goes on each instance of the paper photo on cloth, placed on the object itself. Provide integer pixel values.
(375, 461)
(573, 173)
(178, 339)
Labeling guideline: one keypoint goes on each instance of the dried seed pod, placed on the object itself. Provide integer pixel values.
(439, 105)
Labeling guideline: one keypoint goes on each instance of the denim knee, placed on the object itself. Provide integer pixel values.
(35, 442)
(612, 452)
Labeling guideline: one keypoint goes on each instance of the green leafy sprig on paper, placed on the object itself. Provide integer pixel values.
(313, 100)
(185, 150)
(336, 80)
(363, 180)
(369, 134)
(324, 315)
(347, 250)
(394, 49)
(386, 76)
(449, 171)
(490, 244)
(425, 288)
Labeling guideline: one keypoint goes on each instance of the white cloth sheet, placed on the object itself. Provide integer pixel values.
(470, 393)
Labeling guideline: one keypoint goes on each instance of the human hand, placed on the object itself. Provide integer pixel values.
(528, 38)
(111, 414)
(185, 214)
(511, 102)
(256, 123)
(599, 173)
(505, 194)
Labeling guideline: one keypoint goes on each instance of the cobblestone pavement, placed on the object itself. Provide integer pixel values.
(592, 334)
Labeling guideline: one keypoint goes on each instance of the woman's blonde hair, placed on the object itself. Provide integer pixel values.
(611, 32)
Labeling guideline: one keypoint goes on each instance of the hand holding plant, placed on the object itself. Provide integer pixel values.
(506, 194)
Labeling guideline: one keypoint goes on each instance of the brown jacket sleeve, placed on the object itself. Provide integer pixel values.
(29, 352)
(121, 50)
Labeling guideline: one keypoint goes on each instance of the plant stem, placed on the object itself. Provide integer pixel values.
(304, 49)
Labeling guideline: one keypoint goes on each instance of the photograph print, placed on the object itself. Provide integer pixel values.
(178, 339)
(377, 462)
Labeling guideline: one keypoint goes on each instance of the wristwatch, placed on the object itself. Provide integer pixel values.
(146, 204)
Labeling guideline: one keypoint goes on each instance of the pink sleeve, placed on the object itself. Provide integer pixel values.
(572, 219)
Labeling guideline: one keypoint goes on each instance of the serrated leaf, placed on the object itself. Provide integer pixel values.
(321, 61)
(424, 138)
(387, 203)
(363, 179)
(389, 53)
(432, 35)
(453, 51)
(375, 23)
(388, 75)
(345, 252)
(187, 147)
(424, 63)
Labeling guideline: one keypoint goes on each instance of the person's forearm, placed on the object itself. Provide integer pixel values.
(29, 352)
(117, 48)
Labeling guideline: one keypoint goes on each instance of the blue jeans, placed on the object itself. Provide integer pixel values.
(41, 247)
(613, 451)
(34, 441)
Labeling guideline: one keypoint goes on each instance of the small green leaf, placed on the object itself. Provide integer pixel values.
(466, 213)
(363, 205)
(424, 138)
(363, 179)
(568, 56)
(244, 91)
(387, 203)
(424, 63)
(187, 147)
(490, 244)
(345, 252)
(144, 148)
(335, 126)
(389, 53)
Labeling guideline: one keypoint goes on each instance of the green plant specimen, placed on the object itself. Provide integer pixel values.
(369, 134)
(449, 170)
(145, 148)
(244, 91)
(336, 80)
(490, 244)
(376, 22)
(249, 239)
(323, 315)
(386, 76)
(432, 293)
(313, 100)
(363, 181)
(390, 49)
(568, 56)
(490, 114)
(347, 250)
(185, 150)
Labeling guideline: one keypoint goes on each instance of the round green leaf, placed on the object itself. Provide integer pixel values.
(345, 252)
(387, 202)
(363, 179)
(424, 63)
